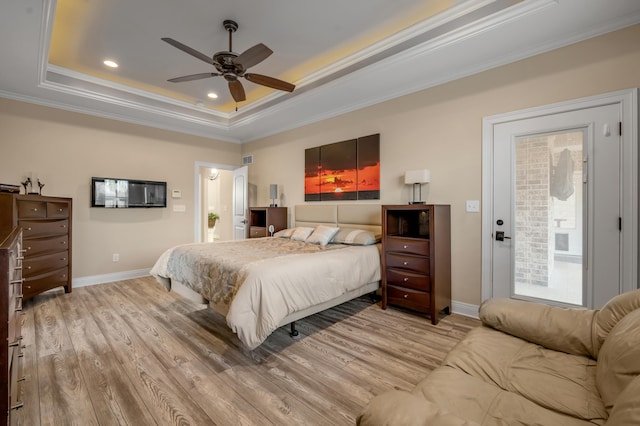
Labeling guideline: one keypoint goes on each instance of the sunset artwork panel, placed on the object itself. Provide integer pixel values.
(348, 170)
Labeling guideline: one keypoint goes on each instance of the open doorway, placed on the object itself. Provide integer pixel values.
(214, 200)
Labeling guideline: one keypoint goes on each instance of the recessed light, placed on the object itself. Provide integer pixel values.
(212, 95)
(110, 63)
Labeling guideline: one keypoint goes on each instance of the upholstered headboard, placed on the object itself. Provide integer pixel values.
(361, 216)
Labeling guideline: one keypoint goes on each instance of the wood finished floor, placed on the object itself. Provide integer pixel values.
(129, 353)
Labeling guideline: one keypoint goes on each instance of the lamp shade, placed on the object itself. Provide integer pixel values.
(417, 176)
(273, 191)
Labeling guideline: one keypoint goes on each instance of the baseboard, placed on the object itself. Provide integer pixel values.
(465, 309)
(108, 278)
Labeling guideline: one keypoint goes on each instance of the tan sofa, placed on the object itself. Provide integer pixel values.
(530, 364)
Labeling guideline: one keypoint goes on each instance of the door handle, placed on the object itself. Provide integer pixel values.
(501, 237)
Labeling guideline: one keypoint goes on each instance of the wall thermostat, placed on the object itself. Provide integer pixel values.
(176, 193)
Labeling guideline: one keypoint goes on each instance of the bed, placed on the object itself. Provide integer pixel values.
(262, 284)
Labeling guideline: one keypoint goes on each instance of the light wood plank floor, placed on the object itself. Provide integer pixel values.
(129, 353)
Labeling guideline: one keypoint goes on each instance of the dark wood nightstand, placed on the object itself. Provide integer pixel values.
(260, 218)
(416, 258)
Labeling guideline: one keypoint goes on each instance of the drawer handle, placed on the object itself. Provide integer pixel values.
(63, 226)
(29, 229)
(35, 209)
(60, 210)
(405, 263)
(27, 249)
(63, 242)
(28, 267)
(405, 246)
(64, 276)
(19, 404)
(63, 259)
(406, 279)
(405, 296)
(15, 342)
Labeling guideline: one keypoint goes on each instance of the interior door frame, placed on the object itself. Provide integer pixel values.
(628, 102)
(197, 189)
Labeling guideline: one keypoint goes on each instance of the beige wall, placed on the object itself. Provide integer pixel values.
(66, 149)
(440, 129)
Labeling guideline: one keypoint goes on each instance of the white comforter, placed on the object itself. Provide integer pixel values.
(275, 287)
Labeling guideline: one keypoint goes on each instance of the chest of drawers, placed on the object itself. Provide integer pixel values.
(11, 263)
(46, 224)
(416, 258)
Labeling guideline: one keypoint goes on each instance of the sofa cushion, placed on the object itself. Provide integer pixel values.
(607, 317)
(485, 403)
(619, 358)
(626, 411)
(555, 380)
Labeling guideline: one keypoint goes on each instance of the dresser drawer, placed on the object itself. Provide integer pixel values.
(32, 209)
(44, 282)
(32, 266)
(39, 246)
(257, 231)
(32, 228)
(411, 263)
(403, 278)
(407, 245)
(412, 299)
(57, 210)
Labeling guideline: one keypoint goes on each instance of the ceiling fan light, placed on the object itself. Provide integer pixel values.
(212, 95)
(110, 63)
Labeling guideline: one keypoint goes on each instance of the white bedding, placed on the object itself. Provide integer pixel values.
(273, 288)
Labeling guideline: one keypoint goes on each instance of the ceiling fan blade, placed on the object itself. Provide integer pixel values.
(274, 83)
(254, 55)
(189, 50)
(193, 77)
(237, 91)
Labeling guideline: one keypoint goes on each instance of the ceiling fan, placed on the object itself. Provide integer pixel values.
(232, 66)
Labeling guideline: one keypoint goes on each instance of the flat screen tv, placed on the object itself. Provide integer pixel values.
(127, 193)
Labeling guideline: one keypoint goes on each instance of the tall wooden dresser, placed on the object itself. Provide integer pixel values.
(11, 261)
(46, 233)
(416, 258)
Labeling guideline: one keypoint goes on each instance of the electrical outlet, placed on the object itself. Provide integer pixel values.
(116, 257)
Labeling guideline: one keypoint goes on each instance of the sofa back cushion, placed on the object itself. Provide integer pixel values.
(610, 314)
(619, 358)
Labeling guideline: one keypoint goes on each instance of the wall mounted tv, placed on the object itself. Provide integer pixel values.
(127, 193)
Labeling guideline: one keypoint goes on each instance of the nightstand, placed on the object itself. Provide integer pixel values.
(416, 258)
(260, 218)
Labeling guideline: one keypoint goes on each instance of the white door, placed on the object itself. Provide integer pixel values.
(240, 202)
(556, 213)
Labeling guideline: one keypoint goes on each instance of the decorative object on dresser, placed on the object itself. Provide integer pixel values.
(416, 257)
(417, 178)
(46, 226)
(11, 376)
(261, 218)
(6, 187)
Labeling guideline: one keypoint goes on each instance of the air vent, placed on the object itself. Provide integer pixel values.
(247, 159)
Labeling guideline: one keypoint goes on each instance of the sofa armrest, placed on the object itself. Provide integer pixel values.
(562, 329)
(400, 408)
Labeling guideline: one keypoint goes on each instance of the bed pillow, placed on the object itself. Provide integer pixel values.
(284, 233)
(301, 233)
(356, 237)
(322, 235)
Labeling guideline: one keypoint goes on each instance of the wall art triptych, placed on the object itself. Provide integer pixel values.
(348, 170)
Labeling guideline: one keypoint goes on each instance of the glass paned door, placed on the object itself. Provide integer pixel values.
(548, 237)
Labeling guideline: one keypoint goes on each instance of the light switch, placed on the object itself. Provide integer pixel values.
(473, 206)
(179, 208)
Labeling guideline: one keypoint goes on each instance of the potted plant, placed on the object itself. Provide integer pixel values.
(213, 217)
